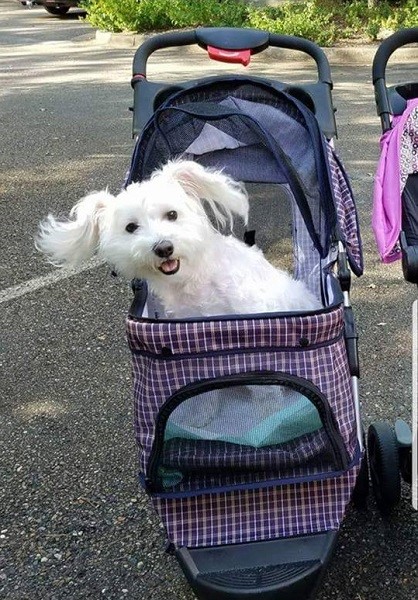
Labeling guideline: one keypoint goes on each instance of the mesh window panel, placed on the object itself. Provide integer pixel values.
(243, 434)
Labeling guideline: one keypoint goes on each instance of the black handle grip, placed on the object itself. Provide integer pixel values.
(157, 42)
(292, 42)
(388, 47)
(383, 102)
(229, 38)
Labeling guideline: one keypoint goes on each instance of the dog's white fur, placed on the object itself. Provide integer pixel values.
(208, 273)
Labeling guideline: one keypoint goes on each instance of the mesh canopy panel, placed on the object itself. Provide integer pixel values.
(229, 116)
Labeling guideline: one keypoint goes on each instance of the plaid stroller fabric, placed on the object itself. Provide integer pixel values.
(305, 355)
(257, 514)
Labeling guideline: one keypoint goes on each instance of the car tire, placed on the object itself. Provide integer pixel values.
(57, 10)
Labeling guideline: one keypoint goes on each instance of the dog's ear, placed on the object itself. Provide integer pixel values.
(70, 242)
(224, 195)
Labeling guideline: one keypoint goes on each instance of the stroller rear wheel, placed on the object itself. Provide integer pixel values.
(384, 466)
(404, 440)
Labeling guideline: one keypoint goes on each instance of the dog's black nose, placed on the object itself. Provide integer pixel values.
(163, 249)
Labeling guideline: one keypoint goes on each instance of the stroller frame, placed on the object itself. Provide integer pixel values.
(284, 568)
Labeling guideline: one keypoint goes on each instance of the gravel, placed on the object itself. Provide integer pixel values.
(73, 521)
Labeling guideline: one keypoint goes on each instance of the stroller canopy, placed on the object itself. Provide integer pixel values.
(258, 134)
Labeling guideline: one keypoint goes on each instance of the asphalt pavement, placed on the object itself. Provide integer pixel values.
(73, 521)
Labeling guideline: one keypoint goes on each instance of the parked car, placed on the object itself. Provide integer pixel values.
(58, 7)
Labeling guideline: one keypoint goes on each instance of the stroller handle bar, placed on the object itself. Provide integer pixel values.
(230, 39)
(388, 47)
(389, 102)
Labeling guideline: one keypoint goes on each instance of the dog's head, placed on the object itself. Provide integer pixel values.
(155, 228)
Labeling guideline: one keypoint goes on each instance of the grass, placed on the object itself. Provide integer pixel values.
(325, 22)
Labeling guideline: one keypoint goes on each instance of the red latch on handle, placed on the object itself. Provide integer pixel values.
(230, 56)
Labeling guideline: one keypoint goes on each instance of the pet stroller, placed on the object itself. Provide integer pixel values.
(248, 426)
(395, 204)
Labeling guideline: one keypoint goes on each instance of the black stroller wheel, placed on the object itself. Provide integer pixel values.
(406, 467)
(404, 440)
(384, 466)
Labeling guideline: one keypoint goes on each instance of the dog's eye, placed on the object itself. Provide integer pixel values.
(131, 227)
(171, 215)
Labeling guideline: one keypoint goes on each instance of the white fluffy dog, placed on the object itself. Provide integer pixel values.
(158, 230)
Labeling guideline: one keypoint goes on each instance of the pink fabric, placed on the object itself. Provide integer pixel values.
(388, 186)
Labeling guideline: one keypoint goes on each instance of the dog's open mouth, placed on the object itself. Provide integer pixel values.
(170, 266)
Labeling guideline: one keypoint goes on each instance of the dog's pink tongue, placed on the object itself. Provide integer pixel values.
(168, 266)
